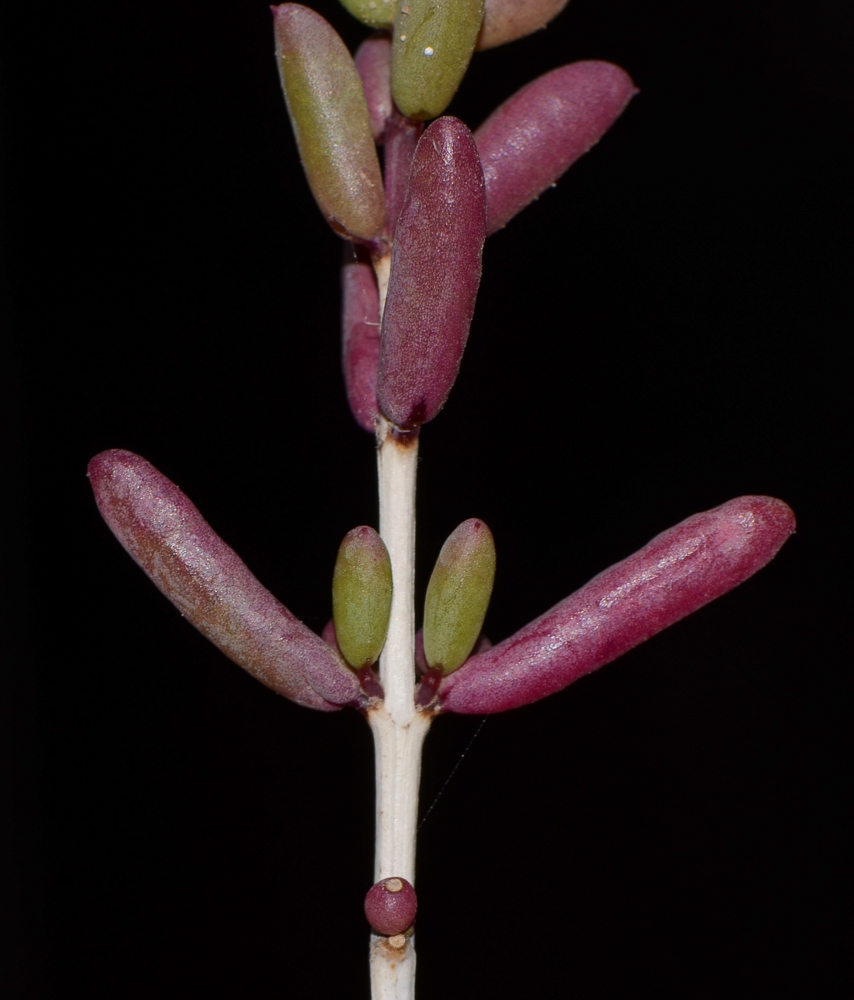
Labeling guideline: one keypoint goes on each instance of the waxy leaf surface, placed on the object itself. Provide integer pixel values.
(373, 62)
(435, 273)
(673, 575)
(432, 46)
(326, 103)
(401, 140)
(374, 13)
(360, 336)
(506, 20)
(361, 597)
(211, 586)
(534, 136)
(458, 595)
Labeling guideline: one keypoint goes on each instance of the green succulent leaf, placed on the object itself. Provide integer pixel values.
(361, 597)
(374, 13)
(330, 119)
(433, 43)
(458, 596)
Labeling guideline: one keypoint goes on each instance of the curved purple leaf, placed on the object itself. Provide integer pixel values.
(397, 133)
(678, 572)
(373, 63)
(210, 585)
(401, 141)
(534, 136)
(360, 336)
(506, 20)
(435, 273)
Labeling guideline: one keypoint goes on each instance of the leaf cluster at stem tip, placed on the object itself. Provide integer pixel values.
(420, 221)
(415, 228)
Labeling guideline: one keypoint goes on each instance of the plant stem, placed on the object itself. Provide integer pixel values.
(397, 459)
(398, 769)
(398, 728)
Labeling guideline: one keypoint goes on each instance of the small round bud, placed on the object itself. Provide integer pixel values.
(390, 906)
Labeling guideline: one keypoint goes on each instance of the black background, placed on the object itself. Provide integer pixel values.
(659, 334)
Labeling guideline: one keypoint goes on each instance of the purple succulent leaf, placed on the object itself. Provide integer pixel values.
(360, 336)
(401, 141)
(373, 63)
(435, 273)
(676, 573)
(328, 634)
(361, 357)
(528, 142)
(506, 20)
(211, 586)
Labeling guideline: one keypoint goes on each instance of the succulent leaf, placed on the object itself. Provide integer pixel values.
(506, 20)
(401, 140)
(368, 679)
(211, 586)
(458, 595)
(361, 597)
(433, 43)
(360, 336)
(396, 132)
(435, 273)
(373, 63)
(329, 114)
(676, 573)
(421, 664)
(374, 13)
(528, 142)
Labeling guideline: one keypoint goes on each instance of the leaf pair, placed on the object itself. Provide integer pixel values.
(672, 576)
(454, 609)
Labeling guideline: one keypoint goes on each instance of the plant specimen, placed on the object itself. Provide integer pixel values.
(415, 233)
